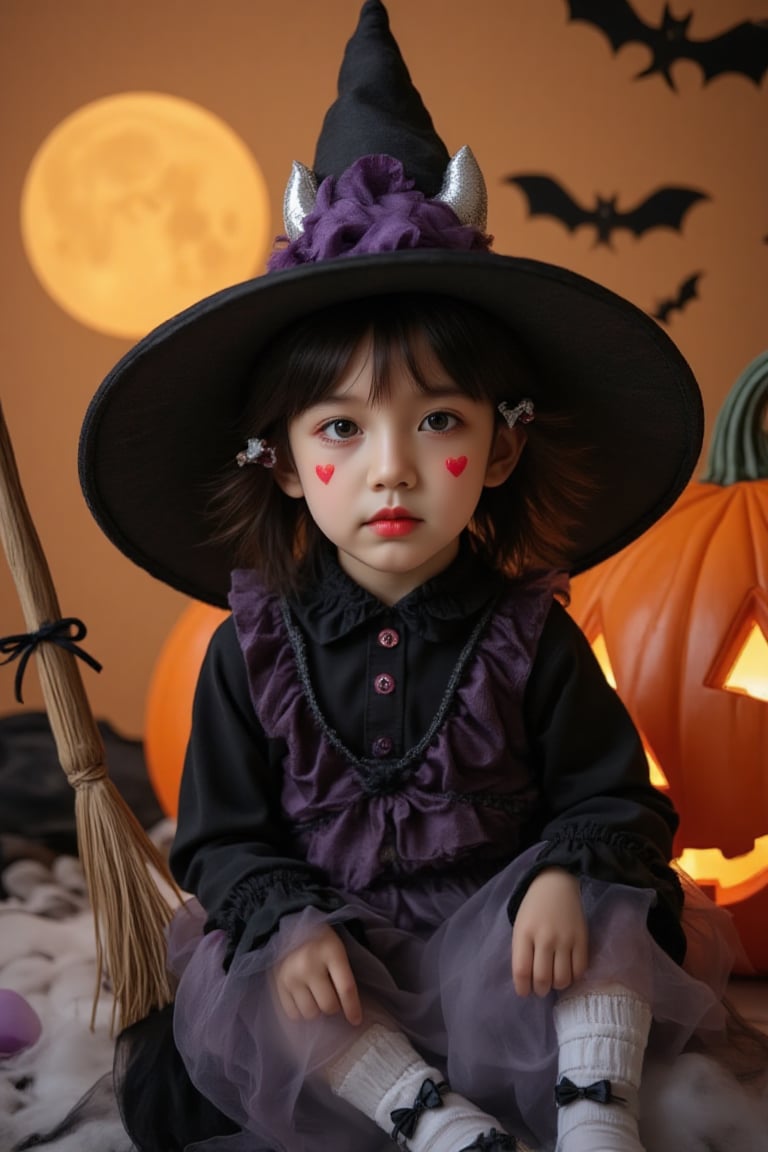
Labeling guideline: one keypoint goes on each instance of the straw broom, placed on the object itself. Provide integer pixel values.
(129, 910)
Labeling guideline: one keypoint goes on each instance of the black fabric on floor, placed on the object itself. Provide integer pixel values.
(37, 804)
(160, 1106)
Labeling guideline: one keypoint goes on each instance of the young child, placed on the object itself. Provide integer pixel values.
(434, 905)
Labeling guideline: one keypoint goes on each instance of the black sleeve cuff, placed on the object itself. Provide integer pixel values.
(253, 910)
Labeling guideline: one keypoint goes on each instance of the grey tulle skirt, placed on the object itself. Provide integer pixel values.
(436, 965)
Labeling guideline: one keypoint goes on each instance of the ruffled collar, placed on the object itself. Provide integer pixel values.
(333, 605)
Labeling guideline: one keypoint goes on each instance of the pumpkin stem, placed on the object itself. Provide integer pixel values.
(739, 448)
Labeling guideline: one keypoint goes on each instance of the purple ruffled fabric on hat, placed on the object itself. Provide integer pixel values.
(373, 207)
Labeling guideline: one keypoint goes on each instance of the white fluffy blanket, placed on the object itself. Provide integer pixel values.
(47, 955)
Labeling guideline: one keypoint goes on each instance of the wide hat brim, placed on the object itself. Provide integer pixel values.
(162, 427)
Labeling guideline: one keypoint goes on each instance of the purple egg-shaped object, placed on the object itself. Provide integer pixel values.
(20, 1025)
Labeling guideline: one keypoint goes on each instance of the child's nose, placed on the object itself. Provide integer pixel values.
(392, 464)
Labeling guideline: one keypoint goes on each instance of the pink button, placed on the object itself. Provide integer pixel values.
(384, 684)
(388, 638)
(382, 746)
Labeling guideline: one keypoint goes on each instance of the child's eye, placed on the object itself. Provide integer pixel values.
(439, 422)
(339, 430)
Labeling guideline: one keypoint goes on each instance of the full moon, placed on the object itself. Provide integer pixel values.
(139, 204)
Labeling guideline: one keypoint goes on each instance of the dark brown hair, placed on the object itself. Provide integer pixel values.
(525, 523)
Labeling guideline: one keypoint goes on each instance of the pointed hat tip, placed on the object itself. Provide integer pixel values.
(378, 109)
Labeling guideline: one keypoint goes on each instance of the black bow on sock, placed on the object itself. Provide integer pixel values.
(492, 1141)
(600, 1092)
(406, 1119)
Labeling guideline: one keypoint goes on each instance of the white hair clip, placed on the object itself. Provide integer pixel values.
(522, 413)
(257, 452)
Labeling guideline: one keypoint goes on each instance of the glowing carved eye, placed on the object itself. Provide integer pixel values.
(600, 649)
(749, 673)
(743, 665)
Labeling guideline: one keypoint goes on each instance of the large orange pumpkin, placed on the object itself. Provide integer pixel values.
(681, 619)
(168, 714)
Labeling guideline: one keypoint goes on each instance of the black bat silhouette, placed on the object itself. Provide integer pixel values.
(688, 290)
(742, 48)
(664, 208)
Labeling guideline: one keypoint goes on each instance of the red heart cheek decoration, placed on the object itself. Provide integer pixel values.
(325, 471)
(456, 464)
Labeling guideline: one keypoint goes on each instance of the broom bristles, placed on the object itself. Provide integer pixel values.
(130, 911)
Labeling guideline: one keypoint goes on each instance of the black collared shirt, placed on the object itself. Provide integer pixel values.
(600, 816)
(379, 673)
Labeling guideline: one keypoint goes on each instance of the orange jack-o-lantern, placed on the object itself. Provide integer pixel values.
(168, 715)
(679, 620)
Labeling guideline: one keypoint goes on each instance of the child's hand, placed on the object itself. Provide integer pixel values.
(317, 978)
(549, 938)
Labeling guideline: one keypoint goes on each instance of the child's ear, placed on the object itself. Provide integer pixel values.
(508, 444)
(287, 478)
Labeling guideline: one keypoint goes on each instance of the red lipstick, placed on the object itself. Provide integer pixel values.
(393, 522)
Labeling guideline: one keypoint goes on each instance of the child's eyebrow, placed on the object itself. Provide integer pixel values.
(442, 392)
(342, 397)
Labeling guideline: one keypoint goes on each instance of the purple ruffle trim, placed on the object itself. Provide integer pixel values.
(371, 208)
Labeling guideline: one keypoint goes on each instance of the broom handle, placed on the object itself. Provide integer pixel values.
(78, 741)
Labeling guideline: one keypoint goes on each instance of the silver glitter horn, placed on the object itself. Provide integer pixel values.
(463, 190)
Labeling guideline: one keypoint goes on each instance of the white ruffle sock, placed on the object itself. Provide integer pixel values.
(602, 1034)
(385, 1078)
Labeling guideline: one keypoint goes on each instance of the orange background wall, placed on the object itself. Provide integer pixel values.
(526, 88)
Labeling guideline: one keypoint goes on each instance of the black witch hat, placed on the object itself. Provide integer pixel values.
(383, 210)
